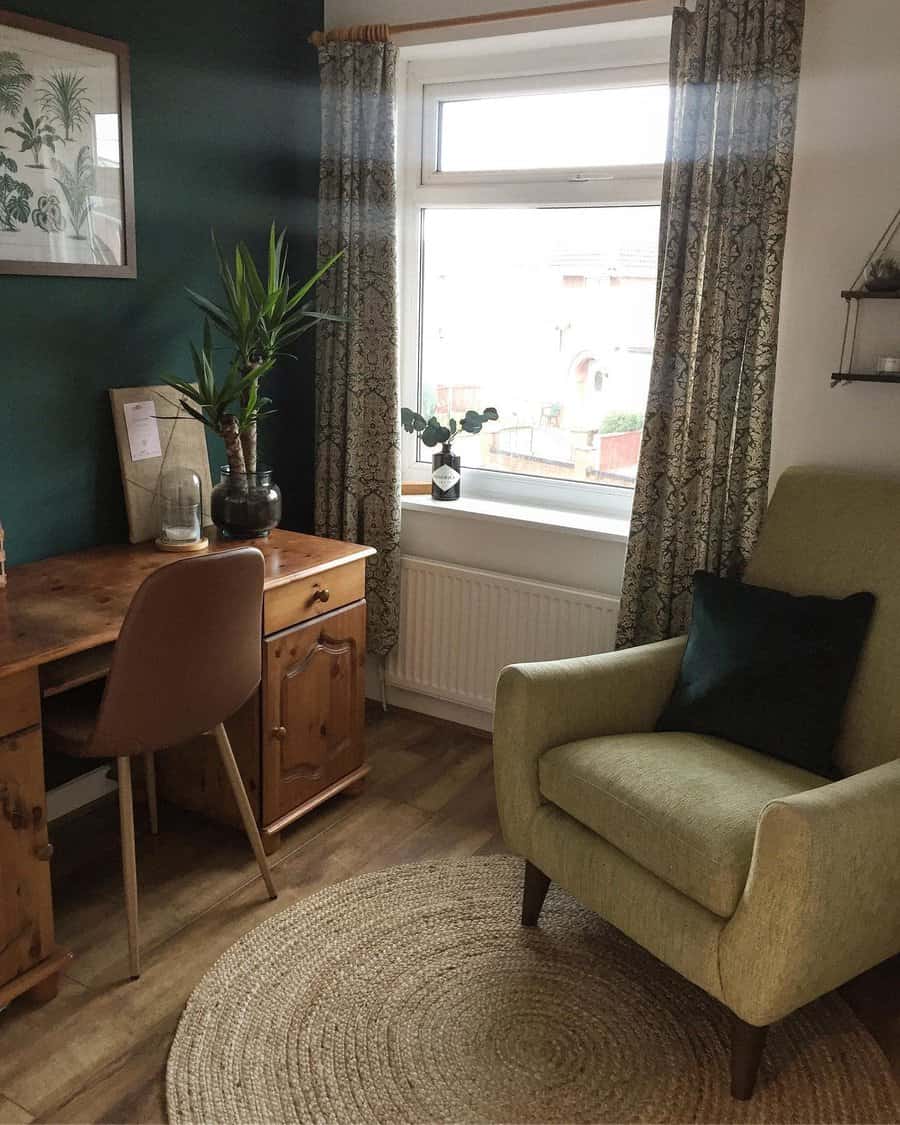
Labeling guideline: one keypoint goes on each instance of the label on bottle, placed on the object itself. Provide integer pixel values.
(445, 477)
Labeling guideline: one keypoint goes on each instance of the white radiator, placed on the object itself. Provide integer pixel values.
(459, 627)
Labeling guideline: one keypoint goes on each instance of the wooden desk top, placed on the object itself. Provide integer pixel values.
(70, 603)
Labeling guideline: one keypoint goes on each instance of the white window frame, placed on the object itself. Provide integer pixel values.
(423, 187)
(436, 94)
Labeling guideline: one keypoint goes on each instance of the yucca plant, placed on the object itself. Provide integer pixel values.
(228, 409)
(14, 81)
(35, 132)
(260, 318)
(64, 99)
(78, 185)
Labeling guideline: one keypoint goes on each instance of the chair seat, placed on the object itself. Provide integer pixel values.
(683, 806)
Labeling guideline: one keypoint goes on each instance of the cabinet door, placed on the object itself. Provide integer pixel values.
(313, 708)
(26, 917)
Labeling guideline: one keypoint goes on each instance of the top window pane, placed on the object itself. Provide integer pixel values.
(573, 129)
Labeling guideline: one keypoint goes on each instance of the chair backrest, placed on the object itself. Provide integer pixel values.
(189, 653)
(835, 533)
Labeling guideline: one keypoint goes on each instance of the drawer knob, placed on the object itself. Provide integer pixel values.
(279, 732)
(44, 852)
(322, 595)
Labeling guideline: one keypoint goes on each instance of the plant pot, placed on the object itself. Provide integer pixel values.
(445, 475)
(245, 505)
(883, 284)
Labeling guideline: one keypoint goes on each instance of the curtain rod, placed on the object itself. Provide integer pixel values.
(516, 14)
(378, 31)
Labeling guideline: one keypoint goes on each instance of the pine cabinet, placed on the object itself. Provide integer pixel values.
(313, 709)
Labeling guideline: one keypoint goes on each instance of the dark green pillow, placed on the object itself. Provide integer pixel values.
(768, 670)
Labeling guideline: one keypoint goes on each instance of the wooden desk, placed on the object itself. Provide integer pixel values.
(298, 740)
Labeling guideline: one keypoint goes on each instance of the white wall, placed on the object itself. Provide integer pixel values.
(846, 186)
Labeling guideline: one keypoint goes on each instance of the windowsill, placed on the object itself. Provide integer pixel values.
(523, 515)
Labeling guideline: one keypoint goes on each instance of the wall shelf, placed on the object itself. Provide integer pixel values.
(854, 296)
(866, 295)
(865, 377)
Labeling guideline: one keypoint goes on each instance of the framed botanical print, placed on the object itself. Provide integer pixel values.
(66, 176)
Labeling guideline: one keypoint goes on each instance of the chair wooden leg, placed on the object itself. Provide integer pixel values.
(150, 775)
(747, 1044)
(129, 864)
(536, 887)
(243, 804)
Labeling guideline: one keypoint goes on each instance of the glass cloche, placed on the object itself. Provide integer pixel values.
(180, 511)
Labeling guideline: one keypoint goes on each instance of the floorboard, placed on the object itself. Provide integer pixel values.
(98, 1052)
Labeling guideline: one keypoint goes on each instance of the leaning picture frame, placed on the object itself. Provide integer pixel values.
(66, 166)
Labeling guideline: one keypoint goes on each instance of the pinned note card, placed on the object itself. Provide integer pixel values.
(183, 445)
(143, 431)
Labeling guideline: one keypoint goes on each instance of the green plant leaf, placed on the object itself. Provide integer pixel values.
(254, 281)
(434, 433)
(411, 420)
(273, 261)
(216, 314)
(195, 414)
(300, 293)
(472, 422)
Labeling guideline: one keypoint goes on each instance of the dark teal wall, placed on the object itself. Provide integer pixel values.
(226, 135)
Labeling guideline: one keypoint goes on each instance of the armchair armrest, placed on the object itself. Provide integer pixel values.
(542, 705)
(822, 901)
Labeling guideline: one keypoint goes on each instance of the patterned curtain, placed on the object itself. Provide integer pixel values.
(357, 399)
(702, 478)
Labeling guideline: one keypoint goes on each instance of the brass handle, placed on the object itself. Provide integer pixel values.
(279, 732)
(322, 595)
(44, 852)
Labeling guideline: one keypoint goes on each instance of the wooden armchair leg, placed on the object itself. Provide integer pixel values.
(129, 864)
(243, 804)
(747, 1044)
(535, 891)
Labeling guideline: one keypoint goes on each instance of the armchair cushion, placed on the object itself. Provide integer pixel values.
(683, 806)
(767, 669)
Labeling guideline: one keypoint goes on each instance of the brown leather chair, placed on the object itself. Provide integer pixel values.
(188, 656)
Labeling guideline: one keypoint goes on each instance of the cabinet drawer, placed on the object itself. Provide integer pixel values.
(308, 598)
(26, 917)
(20, 701)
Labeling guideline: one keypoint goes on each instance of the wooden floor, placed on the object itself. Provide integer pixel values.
(98, 1052)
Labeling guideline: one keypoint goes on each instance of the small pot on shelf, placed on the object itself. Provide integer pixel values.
(445, 474)
(245, 505)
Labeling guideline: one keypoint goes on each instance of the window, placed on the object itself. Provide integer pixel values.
(530, 254)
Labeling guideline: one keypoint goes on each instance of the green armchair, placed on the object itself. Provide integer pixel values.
(765, 885)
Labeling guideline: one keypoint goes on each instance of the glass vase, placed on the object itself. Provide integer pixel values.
(245, 505)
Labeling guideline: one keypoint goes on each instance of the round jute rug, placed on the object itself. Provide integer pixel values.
(414, 995)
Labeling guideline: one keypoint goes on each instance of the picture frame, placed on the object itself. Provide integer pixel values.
(66, 163)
